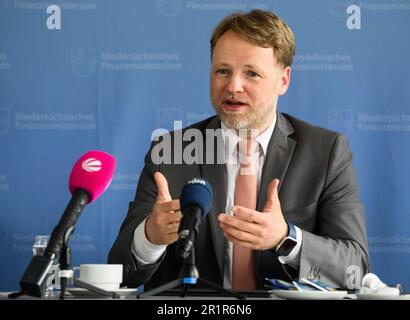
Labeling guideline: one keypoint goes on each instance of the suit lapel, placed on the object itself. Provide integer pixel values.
(278, 156)
(215, 173)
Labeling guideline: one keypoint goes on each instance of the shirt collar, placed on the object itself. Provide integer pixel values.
(231, 139)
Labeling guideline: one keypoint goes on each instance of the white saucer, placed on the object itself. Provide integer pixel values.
(310, 295)
(81, 292)
(378, 296)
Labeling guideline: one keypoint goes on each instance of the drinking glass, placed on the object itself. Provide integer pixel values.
(39, 246)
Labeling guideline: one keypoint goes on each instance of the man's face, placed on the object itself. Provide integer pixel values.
(246, 81)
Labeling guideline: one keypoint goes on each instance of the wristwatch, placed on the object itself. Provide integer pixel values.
(288, 243)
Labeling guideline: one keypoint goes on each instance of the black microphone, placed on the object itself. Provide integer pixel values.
(196, 200)
(90, 177)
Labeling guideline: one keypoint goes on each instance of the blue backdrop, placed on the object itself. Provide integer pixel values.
(104, 74)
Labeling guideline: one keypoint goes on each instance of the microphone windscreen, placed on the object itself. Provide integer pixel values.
(93, 173)
(196, 192)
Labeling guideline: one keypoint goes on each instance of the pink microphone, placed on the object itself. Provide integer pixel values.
(92, 173)
(90, 177)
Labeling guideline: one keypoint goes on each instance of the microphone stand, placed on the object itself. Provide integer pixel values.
(189, 277)
(65, 273)
(66, 270)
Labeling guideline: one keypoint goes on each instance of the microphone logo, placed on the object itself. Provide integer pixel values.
(197, 181)
(91, 165)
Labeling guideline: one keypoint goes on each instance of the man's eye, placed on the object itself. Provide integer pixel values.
(222, 72)
(252, 74)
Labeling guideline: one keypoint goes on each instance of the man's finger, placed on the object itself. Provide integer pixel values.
(238, 242)
(247, 214)
(174, 217)
(241, 223)
(172, 205)
(272, 197)
(162, 187)
(172, 228)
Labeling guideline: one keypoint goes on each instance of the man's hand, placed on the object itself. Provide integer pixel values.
(162, 225)
(253, 229)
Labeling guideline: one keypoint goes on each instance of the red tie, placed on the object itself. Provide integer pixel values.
(243, 268)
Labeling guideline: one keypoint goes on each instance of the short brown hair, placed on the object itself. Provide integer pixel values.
(261, 28)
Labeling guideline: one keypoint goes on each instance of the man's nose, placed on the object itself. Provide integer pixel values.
(235, 84)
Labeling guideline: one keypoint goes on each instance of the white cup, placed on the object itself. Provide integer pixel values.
(104, 276)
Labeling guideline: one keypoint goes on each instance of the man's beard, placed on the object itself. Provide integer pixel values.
(250, 118)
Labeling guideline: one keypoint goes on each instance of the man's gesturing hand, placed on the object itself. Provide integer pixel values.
(253, 229)
(162, 225)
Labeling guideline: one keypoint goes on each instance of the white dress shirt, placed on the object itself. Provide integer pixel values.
(146, 252)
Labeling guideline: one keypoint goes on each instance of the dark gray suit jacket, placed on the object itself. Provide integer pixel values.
(317, 191)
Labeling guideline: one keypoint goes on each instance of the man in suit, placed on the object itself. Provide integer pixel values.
(296, 214)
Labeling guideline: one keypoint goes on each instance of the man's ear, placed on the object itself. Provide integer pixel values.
(284, 80)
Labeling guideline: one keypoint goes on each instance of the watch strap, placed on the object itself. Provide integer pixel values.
(291, 235)
(291, 231)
